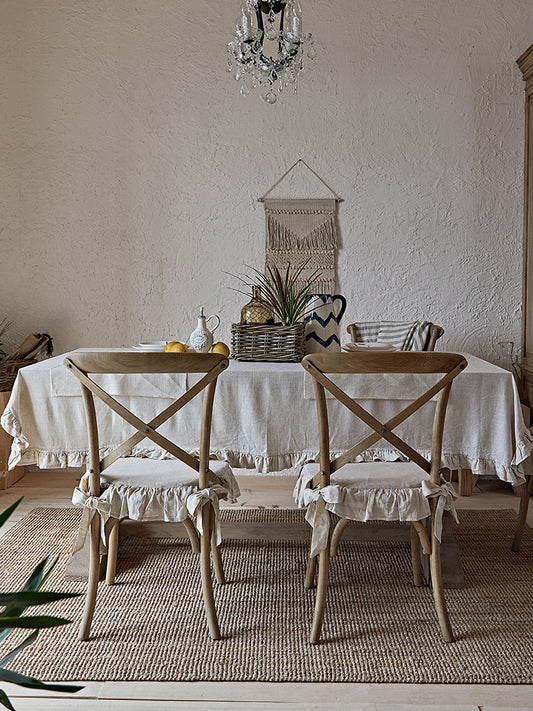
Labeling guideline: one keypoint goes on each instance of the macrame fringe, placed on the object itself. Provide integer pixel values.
(280, 237)
(316, 259)
(321, 286)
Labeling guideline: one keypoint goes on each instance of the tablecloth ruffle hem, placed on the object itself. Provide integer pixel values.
(22, 454)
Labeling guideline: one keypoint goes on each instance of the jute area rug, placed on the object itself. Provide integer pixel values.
(151, 626)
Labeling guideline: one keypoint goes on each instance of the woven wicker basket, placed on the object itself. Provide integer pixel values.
(26, 354)
(268, 343)
(9, 370)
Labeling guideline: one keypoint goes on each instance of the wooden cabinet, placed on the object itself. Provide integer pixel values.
(525, 62)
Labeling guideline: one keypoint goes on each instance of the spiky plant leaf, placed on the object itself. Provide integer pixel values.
(4, 700)
(11, 617)
(281, 292)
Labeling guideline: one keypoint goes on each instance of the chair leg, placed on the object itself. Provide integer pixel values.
(320, 603)
(310, 573)
(311, 568)
(94, 576)
(418, 576)
(438, 591)
(205, 570)
(112, 550)
(522, 515)
(193, 534)
(216, 557)
(336, 537)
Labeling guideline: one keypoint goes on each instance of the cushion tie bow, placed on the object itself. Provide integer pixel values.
(195, 504)
(446, 494)
(91, 506)
(318, 517)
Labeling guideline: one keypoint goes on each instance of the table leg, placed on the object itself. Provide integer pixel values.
(523, 492)
(467, 481)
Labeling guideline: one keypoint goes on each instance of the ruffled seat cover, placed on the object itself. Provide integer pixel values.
(153, 490)
(378, 491)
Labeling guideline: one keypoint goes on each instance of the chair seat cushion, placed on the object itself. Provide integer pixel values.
(155, 489)
(370, 491)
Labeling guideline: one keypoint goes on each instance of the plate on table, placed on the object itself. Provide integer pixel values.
(151, 347)
(361, 347)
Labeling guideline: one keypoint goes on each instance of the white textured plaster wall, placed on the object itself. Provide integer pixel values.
(130, 164)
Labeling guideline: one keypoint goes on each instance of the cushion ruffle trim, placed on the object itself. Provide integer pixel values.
(392, 504)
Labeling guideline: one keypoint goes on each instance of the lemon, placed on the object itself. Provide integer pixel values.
(175, 347)
(220, 348)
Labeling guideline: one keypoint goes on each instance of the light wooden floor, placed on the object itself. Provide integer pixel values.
(247, 696)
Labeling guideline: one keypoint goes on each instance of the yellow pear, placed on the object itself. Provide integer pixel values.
(220, 348)
(175, 347)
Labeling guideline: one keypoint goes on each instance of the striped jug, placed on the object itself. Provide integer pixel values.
(322, 323)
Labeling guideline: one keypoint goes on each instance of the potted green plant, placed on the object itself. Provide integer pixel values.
(286, 295)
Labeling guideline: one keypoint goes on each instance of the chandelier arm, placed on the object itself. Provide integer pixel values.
(260, 25)
(280, 39)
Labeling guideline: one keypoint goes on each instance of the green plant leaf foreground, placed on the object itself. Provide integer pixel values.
(30, 597)
(11, 655)
(32, 622)
(7, 513)
(30, 683)
(36, 580)
(15, 603)
(4, 700)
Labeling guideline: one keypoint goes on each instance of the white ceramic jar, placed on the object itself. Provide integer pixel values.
(201, 339)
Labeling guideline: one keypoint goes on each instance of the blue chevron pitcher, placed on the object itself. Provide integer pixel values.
(322, 323)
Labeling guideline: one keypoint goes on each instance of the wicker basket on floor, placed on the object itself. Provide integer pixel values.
(268, 343)
(9, 370)
(34, 345)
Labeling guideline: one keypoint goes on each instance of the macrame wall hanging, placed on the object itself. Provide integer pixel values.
(303, 231)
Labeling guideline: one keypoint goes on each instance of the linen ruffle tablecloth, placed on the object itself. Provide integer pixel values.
(264, 417)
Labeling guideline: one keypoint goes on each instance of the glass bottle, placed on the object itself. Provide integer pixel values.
(256, 312)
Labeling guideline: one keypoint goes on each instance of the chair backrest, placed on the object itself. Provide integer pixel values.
(319, 366)
(406, 335)
(85, 364)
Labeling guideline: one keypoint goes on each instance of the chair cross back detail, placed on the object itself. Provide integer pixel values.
(83, 364)
(317, 365)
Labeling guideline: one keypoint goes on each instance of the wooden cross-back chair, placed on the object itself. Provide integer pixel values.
(185, 488)
(413, 491)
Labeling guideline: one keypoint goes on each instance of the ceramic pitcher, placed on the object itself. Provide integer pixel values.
(322, 323)
(201, 339)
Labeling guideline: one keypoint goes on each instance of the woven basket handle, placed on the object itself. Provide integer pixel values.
(34, 344)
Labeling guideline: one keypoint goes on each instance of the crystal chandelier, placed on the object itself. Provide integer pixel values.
(246, 55)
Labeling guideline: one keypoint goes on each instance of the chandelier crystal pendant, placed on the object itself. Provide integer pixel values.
(278, 21)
